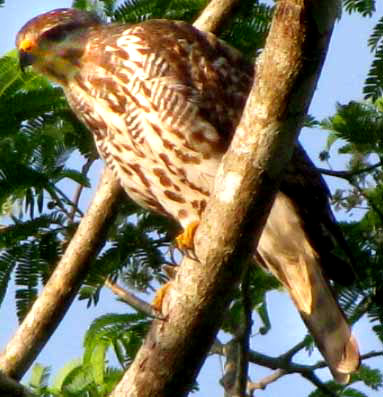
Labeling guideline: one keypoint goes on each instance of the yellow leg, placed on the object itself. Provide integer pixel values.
(185, 240)
(160, 295)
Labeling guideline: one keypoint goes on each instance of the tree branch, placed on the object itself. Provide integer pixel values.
(293, 351)
(11, 388)
(247, 180)
(236, 351)
(323, 364)
(267, 380)
(240, 386)
(310, 376)
(229, 380)
(283, 365)
(132, 300)
(348, 175)
(60, 290)
(76, 199)
(214, 14)
(67, 200)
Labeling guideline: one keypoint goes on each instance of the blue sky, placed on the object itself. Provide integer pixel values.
(341, 80)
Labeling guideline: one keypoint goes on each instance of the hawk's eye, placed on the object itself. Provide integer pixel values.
(56, 34)
(60, 32)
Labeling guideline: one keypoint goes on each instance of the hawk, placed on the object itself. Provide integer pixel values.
(162, 100)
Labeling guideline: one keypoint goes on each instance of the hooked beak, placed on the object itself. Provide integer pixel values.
(26, 59)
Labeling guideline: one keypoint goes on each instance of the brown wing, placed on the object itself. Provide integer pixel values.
(305, 186)
(296, 246)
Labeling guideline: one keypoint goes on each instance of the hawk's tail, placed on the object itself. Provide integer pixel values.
(285, 250)
(324, 318)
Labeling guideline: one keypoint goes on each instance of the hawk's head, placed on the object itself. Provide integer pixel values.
(54, 42)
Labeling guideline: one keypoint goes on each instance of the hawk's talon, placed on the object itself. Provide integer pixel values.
(185, 240)
(160, 296)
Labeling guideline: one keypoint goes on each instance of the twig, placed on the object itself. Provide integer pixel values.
(267, 380)
(132, 300)
(349, 174)
(76, 198)
(285, 367)
(293, 351)
(372, 354)
(244, 337)
(68, 201)
(310, 376)
(236, 351)
(57, 201)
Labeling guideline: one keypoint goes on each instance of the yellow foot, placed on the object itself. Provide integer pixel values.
(160, 295)
(185, 240)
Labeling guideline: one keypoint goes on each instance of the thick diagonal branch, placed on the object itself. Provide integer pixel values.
(56, 297)
(214, 14)
(174, 350)
(11, 388)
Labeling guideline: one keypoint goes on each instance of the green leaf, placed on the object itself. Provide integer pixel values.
(364, 7)
(97, 361)
(373, 84)
(64, 372)
(263, 313)
(39, 376)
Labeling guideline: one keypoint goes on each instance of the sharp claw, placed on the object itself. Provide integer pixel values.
(185, 240)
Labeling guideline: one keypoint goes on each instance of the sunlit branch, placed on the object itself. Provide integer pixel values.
(264, 382)
(214, 14)
(132, 300)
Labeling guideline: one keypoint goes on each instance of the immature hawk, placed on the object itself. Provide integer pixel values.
(162, 101)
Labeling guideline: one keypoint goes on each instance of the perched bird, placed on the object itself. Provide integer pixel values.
(162, 100)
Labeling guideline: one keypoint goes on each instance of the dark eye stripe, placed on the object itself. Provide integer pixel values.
(60, 32)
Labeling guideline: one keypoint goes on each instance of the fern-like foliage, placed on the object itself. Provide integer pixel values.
(373, 86)
(141, 10)
(372, 378)
(357, 127)
(120, 334)
(248, 27)
(374, 82)
(34, 153)
(359, 124)
(364, 7)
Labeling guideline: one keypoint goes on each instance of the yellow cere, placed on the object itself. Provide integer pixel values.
(26, 45)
